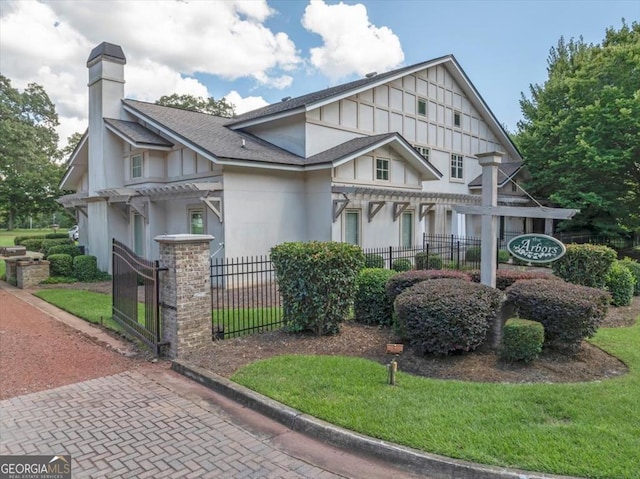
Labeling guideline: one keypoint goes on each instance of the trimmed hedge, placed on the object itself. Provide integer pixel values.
(506, 277)
(568, 312)
(317, 283)
(634, 267)
(522, 340)
(60, 265)
(85, 268)
(372, 260)
(503, 256)
(47, 244)
(473, 255)
(447, 315)
(426, 260)
(19, 239)
(371, 304)
(402, 281)
(402, 264)
(69, 249)
(585, 264)
(620, 283)
(33, 244)
(57, 236)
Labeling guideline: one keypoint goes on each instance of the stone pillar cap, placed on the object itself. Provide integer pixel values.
(184, 238)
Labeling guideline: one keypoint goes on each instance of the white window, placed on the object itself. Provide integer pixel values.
(422, 107)
(138, 234)
(424, 151)
(457, 119)
(352, 227)
(406, 229)
(514, 187)
(382, 169)
(136, 166)
(196, 221)
(457, 163)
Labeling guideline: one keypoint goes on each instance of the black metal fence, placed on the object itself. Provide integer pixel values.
(133, 277)
(244, 296)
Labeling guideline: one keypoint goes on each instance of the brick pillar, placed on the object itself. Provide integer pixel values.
(185, 292)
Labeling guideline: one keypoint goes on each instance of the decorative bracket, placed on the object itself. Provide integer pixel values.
(141, 208)
(217, 210)
(374, 208)
(398, 208)
(339, 206)
(425, 208)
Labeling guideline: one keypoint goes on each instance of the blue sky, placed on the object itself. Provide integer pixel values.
(259, 51)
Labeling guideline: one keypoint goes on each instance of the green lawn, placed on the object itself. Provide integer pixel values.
(243, 319)
(582, 429)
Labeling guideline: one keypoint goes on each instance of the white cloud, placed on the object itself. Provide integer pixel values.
(244, 104)
(351, 44)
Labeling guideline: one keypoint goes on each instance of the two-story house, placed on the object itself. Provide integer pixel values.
(376, 162)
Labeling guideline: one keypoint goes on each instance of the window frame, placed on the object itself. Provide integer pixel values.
(190, 212)
(457, 115)
(345, 234)
(135, 167)
(407, 214)
(422, 150)
(383, 170)
(421, 101)
(135, 240)
(456, 171)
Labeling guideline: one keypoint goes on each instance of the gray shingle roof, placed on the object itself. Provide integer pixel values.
(347, 148)
(209, 133)
(506, 171)
(136, 133)
(321, 95)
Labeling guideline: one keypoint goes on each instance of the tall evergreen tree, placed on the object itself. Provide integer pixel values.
(580, 136)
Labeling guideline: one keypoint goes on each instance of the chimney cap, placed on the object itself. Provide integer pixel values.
(113, 52)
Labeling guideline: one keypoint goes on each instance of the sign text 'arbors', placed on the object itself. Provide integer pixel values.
(536, 248)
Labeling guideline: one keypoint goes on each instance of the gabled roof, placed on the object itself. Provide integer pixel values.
(355, 147)
(136, 134)
(506, 172)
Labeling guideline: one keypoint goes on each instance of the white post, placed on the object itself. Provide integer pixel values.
(488, 256)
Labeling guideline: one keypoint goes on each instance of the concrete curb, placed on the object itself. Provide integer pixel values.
(439, 467)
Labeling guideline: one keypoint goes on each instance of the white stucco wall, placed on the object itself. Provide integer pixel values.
(287, 133)
(318, 210)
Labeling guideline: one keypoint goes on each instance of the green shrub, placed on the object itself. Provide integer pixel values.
(522, 340)
(620, 283)
(585, 264)
(426, 260)
(19, 239)
(398, 283)
(69, 249)
(33, 245)
(634, 267)
(372, 260)
(85, 268)
(59, 280)
(371, 304)
(57, 236)
(317, 283)
(446, 315)
(400, 265)
(49, 243)
(506, 277)
(568, 312)
(503, 256)
(472, 255)
(60, 264)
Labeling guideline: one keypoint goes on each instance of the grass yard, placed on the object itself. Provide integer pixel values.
(87, 305)
(581, 429)
(246, 319)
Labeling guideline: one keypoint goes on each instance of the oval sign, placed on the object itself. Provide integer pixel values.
(536, 248)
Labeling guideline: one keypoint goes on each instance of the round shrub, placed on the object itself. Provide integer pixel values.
(33, 244)
(85, 267)
(398, 283)
(317, 283)
(47, 244)
(634, 267)
(447, 315)
(400, 265)
(69, 249)
(585, 264)
(620, 283)
(503, 256)
(372, 260)
(371, 304)
(521, 340)
(568, 312)
(60, 265)
(472, 255)
(426, 260)
(506, 277)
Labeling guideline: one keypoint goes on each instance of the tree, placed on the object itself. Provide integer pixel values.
(210, 105)
(29, 174)
(580, 136)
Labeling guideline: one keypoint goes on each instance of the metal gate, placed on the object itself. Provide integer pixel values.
(131, 275)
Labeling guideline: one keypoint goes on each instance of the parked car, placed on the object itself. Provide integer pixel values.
(74, 233)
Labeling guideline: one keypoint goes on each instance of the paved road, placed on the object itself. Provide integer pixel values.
(151, 422)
